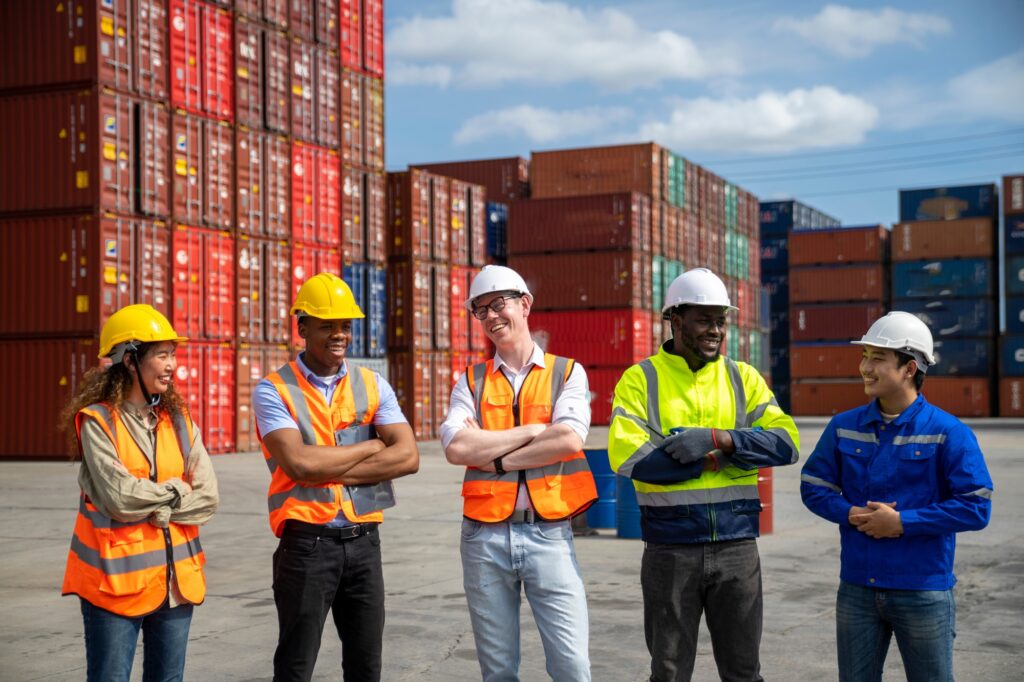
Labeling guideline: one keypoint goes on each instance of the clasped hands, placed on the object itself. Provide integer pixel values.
(877, 519)
(161, 517)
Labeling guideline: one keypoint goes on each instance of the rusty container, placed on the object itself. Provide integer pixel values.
(505, 179)
(373, 100)
(250, 170)
(411, 376)
(408, 206)
(811, 322)
(276, 12)
(263, 290)
(837, 246)
(353, 215)
(599, 222)
(825, 360)
(964, 238)
(375, 191)
(410, 297)
(1011, 397)
(441, 375)
(837, 283)
(597, 170)
(459, 236)
(442, 306)
(328, 96)
(373, 37)
(249, 76)
(253, 363)
(351, 33)
(219, 199)
(189, 164)
(825, 397)
(960, 396)
(276, 82)
(352, 110)
(301, 18)
(302, 90)
(585, 280)
(154, 170)
(277, 186)
(327, 22)
(440, 217)
(477, 207)
(95, 264)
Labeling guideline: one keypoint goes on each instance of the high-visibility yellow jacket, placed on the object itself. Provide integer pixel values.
(123, 566)
(682, 503)
(559, 490)
(353, 406)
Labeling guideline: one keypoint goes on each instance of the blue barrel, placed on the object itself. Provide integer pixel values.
(602, 513)
(627, 511)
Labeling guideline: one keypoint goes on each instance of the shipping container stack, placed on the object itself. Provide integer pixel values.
(605, 231)
(837, 288)
(191, 155)
(436, 241)
(1011, 353)
(777, 220)
(944, 270)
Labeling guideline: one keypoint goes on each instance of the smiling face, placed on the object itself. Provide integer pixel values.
(508, 325)
(157, 367)
(885, 379)
(326, 344)
(698, 332)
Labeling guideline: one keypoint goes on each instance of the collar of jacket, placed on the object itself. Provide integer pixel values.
(873, 415)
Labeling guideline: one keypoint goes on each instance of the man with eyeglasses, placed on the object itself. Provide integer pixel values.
(517, 423)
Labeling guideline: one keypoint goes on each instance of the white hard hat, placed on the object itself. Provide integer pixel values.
(495, 278)
(902, 332)
(699, 286)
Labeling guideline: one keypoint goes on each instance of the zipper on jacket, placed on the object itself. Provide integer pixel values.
(712, 519)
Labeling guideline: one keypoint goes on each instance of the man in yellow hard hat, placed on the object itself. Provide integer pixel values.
(333, 437)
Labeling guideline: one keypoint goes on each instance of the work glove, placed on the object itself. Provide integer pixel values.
(689, 445)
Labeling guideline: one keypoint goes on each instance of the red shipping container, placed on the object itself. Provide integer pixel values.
(1013, 194)
(375, 194)
(689, 246)
(263, 290)
(219, 200)
(960, 396)
(410, 319)
(373, 37)
(277, 82)
(1011, 397)
(373, 120)
(70, 150)
(441, 376)
(458, 216)
(711, 247)
(842, 245)
(814, 398)
(250, 8)
(302, 90)
(309, 260)
(441, 307)
(277, 291)
(277, 186)
(94, 264)
(831, 321)
(837, 283)
(300, 18)
(352, 128)
(595, 337)
(254, 363)
(408, 205)
(440, 217)
(477, 226)
(316, 194)
(205, 377)
(503, 179)
(410, 374)
(575, 281)
(940, 239)
(351, 31)
(201, 47)
(248, 73)
(461, 319)
(276, 12)
(597, 170)
(154, 159)
(461, 362)
(249, 172)
(188, 160)
(597, 222)
(602, 392)
(328, 104)
(353, 215)
(203, 273)
(327, 23)
(822, 360)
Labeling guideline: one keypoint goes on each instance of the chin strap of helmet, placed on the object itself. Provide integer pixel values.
(151, 400)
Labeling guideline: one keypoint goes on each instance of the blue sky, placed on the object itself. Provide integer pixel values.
(837, 105)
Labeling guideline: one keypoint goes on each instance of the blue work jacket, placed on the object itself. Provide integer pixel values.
(926, 461)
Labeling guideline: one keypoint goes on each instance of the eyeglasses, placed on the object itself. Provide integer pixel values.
(497, 305)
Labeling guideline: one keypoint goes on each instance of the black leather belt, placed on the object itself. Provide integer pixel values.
(524, 516)
(337, 533)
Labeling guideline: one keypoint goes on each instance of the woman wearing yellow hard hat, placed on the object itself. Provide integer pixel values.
(147, 485)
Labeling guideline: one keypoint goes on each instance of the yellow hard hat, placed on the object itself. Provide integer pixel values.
(327, 297)
(140, 322)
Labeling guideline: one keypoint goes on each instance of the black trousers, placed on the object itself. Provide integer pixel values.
(314, 575)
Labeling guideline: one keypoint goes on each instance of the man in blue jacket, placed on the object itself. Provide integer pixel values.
(901, 478)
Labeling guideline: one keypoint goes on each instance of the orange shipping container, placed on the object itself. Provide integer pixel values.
(814, 398)
(837, 283)
(410, 318)
(203, 273)
(503, 179)
(408, 205)
(960, 396)
(205, 377)
(574, 280)
(597, 170)
(965, 238)
(1011, 397)
(599, 222)
(824, 360)
(841, 245)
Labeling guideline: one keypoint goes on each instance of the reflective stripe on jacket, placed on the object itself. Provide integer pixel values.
(559, 490)
(662, 393)
(354, 404)
(122, 566)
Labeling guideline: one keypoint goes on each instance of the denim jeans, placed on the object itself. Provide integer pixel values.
(722, 580)
(924, 622)
(110, 642)
(499, 561)
(314, 575)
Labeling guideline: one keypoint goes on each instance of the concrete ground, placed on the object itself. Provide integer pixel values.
(428, 636)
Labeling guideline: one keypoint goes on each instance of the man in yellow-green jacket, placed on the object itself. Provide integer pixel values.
(691, 428)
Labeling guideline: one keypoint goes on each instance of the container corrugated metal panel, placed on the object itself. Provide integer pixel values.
(844, 245)
(327, 22)
(441, 376)
(459, 239)
(277, 82)
(353, 127)
(250, 168)
(277, 186)
(154, 133)
(594, 337)
(376, 311)
(831, 321)
(316, 194)
(375, 192)
(205, 377)
(219, 200)
(574, 281)
(201, 58)
(461, 320)
(948, 203)
(477, 226)
(254, 363)
(301, 19)
(812, 398)
(409, 299)
(302, 90)
(825, 360)
(440, 217)
(248, 73)
(95, 265)
(774, 254)
(461, 361)
(964, 357)
(597, 222)
(441, 306)
(1013, 234)
(1015, 315)
(47, 373)
(960, 396)
(504, 179)
(355, 276)
(954, 316)
(597, 170)
(497, 231)
(373, 141)
(1013, 194)
(1015, 276)
(408, 203)
(689, 249)
(351, 31)
(1011, 355)
(969, 278)
(263, 290)
(189, 165)
(602, 392)
(373, 37)
(203, 276)
(276, 12)
(353, 216)
(1011, 397)
(966, 238)
(328, 103)
(69, 150)
(409, 374)
(837, 283)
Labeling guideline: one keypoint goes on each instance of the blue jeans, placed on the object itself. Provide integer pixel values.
(499, 560)
(924, 622)
(110, 642)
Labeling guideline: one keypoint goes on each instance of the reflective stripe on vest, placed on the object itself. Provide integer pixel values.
(558, 490)
(123, 566)
(352, 405)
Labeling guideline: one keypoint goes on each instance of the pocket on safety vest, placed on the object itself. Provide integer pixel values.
(746, 506)
(123, 584)
(125, 535)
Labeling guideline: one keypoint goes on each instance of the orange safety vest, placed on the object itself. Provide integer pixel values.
(559, 490)
(122, 566)
(353, 405)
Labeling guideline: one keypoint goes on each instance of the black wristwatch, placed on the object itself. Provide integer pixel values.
(497, 465)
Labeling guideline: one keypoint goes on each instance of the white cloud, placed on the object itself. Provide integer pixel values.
(851, 32)
(770, 122)
(491, 42)
(537, 124)
(410, 74)
(995, 90)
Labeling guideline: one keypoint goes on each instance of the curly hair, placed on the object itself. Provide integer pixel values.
(111, 385)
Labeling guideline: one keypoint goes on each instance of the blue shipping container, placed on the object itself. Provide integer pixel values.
(963, 357)
(1012, 357)
(774, 254)
(776, 217)
(948, 203)
(968, 278)
(355, 276)
(369, 335)
(777, 285)
(1015, 315)
(953, 317)
(1013, 232)
(497, 231)
(1015, 276)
